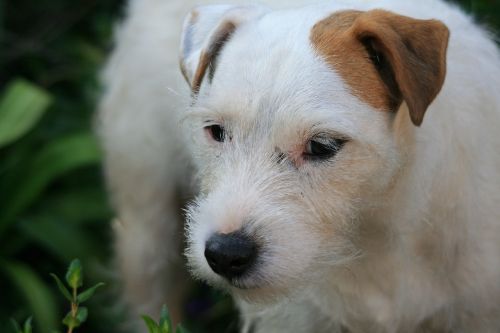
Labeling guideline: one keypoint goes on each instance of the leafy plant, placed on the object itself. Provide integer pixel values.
(53, 205)
(31, 217)
(21, 108)
(74, 278)
(27, 328)
(77, 314)
(164, 325)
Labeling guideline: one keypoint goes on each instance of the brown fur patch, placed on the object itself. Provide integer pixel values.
(334, 40)
(209, 56)
(203, 64)
(385, 58)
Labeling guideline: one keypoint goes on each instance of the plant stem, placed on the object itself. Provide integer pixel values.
(74, 309)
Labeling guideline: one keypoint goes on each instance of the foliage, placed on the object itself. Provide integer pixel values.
(53, 205)
(74, 278)
(164, 325)
(78, 314)
(27, 327)
(487, 12)
(20, 109)
(31, 212)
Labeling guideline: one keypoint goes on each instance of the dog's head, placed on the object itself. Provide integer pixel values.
(300, 123)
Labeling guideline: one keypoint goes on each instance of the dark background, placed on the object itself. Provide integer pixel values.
(53, 205)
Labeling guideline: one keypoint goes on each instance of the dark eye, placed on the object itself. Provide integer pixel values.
(216, 132)
(322, 149)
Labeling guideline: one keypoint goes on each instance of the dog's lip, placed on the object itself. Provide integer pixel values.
(244, 284)
(237, 283)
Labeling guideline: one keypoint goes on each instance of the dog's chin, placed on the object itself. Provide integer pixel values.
(267, 294)
(243, 284)
(255, 290)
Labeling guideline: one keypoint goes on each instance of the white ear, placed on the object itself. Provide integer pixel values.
(205, 31)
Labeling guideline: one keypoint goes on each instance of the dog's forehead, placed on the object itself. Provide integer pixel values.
(272, 74)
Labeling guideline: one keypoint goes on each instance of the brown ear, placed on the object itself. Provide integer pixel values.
(415, 51)
(205, 31)
(208, 57)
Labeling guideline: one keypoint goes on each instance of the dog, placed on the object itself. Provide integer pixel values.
(343, 157)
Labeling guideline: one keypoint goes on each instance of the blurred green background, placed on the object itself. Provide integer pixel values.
(53, 205)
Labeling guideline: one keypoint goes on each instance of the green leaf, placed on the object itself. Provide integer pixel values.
(51, 162)
(53, 235)
(74, 276)
(165, 322)
(36, 293)
(62, 287)
(70, 321)
(82, 314)
(181, 329)
(28, 328)
(21, 107)
(88, 293)
(78, 205)
(16, 326)
(151, 324)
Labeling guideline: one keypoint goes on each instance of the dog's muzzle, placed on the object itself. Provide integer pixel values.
(231, 255)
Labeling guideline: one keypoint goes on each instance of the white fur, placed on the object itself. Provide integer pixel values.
(400, 231)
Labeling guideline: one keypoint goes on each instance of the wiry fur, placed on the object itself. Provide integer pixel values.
(400, 232)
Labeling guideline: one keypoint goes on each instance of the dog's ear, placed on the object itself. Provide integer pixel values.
(205, 31)
(414, 52)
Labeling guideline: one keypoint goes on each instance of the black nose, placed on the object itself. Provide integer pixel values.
(230, 255)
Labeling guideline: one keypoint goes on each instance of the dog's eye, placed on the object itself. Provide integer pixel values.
(216, 132)
(322, 149)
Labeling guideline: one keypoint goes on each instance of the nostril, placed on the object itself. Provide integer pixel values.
(230, 255)
(211, 261)
(238, 263)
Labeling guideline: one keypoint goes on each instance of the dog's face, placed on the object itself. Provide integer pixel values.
(298, 127)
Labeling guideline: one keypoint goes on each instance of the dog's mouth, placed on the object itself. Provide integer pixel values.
(242, 284)
(248, 280)
(257, 291)
(245, 283)
(259, 283)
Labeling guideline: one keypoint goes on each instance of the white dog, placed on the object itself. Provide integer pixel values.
(325, 200)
